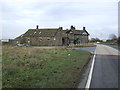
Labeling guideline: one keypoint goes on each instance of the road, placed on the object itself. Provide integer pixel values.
(105, 71)
(86, 70)
(89, 49)
(114, 46)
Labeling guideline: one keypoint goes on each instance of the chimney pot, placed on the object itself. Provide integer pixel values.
(83, 28)
(61, 28)
(72, 27)
(37, 27)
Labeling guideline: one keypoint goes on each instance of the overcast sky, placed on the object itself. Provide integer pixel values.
(100, 17)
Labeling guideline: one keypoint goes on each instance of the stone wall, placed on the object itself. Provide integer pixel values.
(56, 40)
(44, 41)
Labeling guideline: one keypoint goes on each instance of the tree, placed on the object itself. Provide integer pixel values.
(119, 40)
(95, 40)
(112, 37)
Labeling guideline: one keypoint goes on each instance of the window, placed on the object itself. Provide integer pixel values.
(34, 32)
(71, 32)
(84, 33)
(28, 41)
(21, 35)
(77, 36)
(40, 39)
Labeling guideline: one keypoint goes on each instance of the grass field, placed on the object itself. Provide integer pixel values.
(116, 44)
(86, 45)
(25, 67)
(83, 45)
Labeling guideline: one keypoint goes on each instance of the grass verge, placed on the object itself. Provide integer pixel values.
(25, 67)
(116, 44)
(83, 45)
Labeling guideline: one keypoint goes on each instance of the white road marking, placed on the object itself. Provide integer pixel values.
(102, 50)
(90, 73)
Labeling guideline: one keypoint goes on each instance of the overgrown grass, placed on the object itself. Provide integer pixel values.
(83, 45)
(86, 45)
(25, 67)
(116, 44)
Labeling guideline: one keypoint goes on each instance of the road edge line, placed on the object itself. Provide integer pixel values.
(87, 86)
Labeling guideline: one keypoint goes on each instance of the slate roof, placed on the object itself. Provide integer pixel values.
(75, 31)
(48, 32)
(42, 32)
(80, 32)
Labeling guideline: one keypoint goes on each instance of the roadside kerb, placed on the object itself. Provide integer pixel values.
(87, 86)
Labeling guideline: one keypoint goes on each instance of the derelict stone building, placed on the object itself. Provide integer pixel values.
(53, 36)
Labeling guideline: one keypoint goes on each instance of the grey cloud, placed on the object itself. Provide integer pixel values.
(20, 17)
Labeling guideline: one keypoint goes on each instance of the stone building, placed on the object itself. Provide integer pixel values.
(53, 36)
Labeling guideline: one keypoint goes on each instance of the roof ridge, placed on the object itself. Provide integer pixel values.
(45, 29)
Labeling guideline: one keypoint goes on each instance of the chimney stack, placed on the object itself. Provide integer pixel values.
(72, 27)
(60, 28)
(83, 28)
(37, 27)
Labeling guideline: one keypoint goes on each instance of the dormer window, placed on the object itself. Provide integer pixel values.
(84, 33)
(54, 38)
(71, 32)
(34, 32)
(40, 39)
(21, 35)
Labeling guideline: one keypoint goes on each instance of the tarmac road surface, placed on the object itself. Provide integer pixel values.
(114, 46)
(105, 72)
